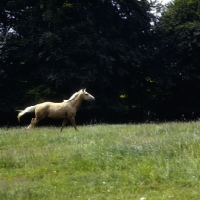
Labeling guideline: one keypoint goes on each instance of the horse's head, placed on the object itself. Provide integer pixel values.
(86, 96)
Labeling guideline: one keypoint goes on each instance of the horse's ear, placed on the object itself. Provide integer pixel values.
(84, 90)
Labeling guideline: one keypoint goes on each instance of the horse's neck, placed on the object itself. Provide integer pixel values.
(76, 102)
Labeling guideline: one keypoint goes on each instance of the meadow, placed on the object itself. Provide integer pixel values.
(101, 162)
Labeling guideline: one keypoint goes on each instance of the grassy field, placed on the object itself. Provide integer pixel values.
(101, 162)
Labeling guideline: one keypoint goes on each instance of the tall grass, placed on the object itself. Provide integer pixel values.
(154, 161)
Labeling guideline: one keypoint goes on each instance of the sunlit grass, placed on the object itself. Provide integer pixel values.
(154, 161)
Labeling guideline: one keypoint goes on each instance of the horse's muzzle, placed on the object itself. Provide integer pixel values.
(92, 99)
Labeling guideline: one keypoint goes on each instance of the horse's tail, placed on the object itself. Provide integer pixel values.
(28, 109)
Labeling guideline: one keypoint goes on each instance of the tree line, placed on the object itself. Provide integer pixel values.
(140, 59)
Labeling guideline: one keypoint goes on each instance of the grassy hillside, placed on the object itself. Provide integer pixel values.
(101, 162)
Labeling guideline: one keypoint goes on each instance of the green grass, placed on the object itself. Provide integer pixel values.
(101, 162)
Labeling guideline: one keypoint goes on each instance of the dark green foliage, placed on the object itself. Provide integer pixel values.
(60, 47)
(137, 70)
(179, 39)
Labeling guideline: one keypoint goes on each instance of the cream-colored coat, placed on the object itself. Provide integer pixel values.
(65, 110)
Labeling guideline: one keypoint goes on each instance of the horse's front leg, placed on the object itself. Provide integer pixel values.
(63, 124)
(72, 120)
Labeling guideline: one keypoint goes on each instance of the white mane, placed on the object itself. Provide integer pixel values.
(72, 97)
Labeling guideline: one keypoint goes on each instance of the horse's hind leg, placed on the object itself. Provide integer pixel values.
(34, 121)
(31, 124)
(63, 124)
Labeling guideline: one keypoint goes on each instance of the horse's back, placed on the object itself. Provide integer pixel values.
(53, 110)
(49, 106)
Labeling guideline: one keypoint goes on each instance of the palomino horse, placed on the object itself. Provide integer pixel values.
(65, 110)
